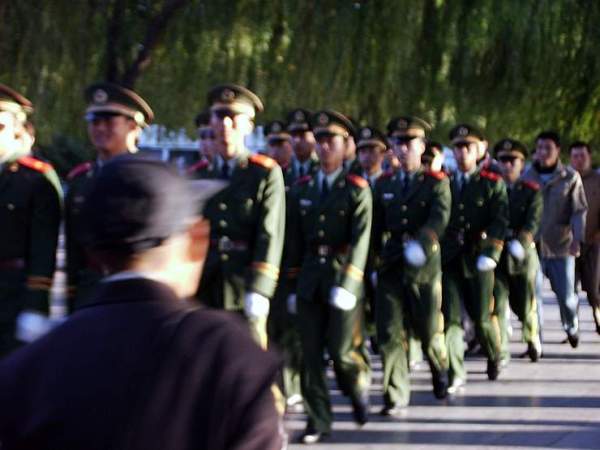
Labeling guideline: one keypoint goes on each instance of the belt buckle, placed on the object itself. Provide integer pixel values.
(225, 244)
(322, 250)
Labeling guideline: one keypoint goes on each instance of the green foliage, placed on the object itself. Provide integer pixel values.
(512, 67)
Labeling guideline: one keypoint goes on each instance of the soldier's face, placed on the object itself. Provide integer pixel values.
(465, 154)
(9, 135)
(112, 135)
(580, 159)
(331, 150)
(409, 152)
(371, 158)
(304, 144)
(546, 152)
(511, 168)
(230, 130)
(281, 151)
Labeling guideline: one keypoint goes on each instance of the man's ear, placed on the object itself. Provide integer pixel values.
(199, 239)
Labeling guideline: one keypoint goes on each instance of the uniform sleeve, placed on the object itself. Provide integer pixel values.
(579, 209)
(533, 218)
(74, 252)
(378, 225)
(493, 243)
(362, 216)
(294, 241)
(43, 240)
(269, 237)
(439, 214)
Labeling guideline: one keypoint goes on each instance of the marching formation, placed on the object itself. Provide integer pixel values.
(336, 241)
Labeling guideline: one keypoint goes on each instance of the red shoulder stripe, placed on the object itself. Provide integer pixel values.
(490, 175)
(357, 181)
(263, 160)
(531, 185)
(438, 175)
(35, 164)
(198, 166)
(79, 169)
(387, 174)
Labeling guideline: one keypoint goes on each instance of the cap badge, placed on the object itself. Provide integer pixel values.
(403, 123)
(366, 133)
(299, 116)
(276, 128)
(507, 145)
(227, 95)
(100, 96)
(463, 131)
(323, 119)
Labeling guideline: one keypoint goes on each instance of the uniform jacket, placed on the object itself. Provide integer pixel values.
(329, 239)
(591, 186)
(30, 215)
(525, 205)
(565, 209)
(139, 369)
(247, 221)
(422, 214)
(478, 220)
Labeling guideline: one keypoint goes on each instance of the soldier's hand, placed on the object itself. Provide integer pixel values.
(485, 263)
(575, 249)
(31, 325)
(516, 249)
(256, 306)
(414, 253)
(292, 305)
(342, 299)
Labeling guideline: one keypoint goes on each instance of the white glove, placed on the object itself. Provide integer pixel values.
(516, 249)
(256, 306)
(414, 253)
(485, 263)
(32, 325)
(292, 304)
(374, 278)
(342, 299)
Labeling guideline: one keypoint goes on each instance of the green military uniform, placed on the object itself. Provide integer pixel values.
(410, 207)
(477, 228)
(247, 221)
(30, 214)
(104, 100)
(298, 120)
(515, 278)
(328, 247)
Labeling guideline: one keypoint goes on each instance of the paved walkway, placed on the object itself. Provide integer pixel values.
(554, 403)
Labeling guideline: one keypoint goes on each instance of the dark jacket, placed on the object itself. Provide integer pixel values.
(140, 369)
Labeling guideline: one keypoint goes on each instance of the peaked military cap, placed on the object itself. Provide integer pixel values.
(331, 122)
(510, 148)
(12, 101)
(232, 97)
(408, 126)
(465, 133)
(369, 136)
(111, 99)
(276, 131)
(299, 120)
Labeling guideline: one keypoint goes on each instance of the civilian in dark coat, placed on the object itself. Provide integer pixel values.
(141, 368)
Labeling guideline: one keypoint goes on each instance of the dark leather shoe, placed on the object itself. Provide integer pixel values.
(573, 339)
(392, 410)
(493, 369)
(360, 408)
(312, 436)
(440, 385)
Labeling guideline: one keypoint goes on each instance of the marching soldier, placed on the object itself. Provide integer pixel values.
(206, 138)
(471, 249)
(515, 275)
(115, 117)
(247, 218)
(279, 147)
(30, 219)
(305, 161)
(412, 207)
(330, 225)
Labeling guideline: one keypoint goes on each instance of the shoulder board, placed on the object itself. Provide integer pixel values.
(490, 175)
(79, 169)
(357, 181)
(531, 185)
(438, 175)
(387, 174)
(263, 160)
(198, 166)
(303, 180)
(35, 164)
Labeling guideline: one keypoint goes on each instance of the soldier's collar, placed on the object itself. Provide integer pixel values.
(331, 177)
